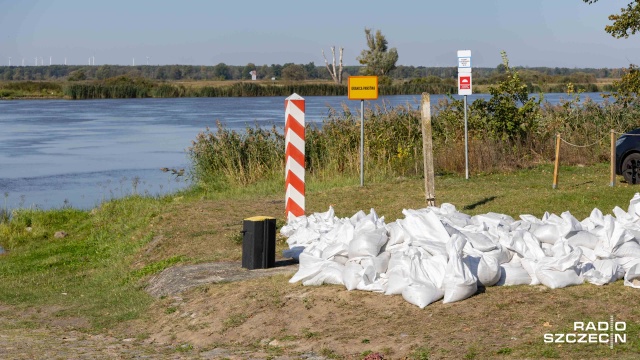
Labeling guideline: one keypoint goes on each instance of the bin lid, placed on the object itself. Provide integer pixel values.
(259, 218)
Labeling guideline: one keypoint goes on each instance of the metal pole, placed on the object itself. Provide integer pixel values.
(361, 142)
(466, 141)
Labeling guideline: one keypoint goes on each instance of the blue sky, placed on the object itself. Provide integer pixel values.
(554, 33)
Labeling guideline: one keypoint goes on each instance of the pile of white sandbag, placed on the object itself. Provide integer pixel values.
(440, 253)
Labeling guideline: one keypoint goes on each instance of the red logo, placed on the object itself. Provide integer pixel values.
(465, 83)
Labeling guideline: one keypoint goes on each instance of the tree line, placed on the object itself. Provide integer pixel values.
(293, 72)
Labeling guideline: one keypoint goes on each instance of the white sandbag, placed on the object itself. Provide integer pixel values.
(627, 262)
(584, 239)
(396, 233)
(485, 268)
(436, 268)
(335, 249)
(479, 241)
(303, 236)
(492, 219)
(613, 235)
(431, 247)
(341, 233)
(309, 267)
(559, 279)
(367, 243)
(459, 282)
(331, 274)
(559, 272)
(601, 272)
(569, 226)
(500, 253)
(513, 274)
(424, 225)
(449, 215)
(628, 249)
(397, 280)
(588, 255)
(547, 233)
(352, 274)
(594, 221)
(632, 277)
(530, 266)
(421, 295)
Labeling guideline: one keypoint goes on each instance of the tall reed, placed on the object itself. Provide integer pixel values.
(393, 143)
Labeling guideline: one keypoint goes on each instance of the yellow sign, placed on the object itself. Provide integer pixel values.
(363, 87)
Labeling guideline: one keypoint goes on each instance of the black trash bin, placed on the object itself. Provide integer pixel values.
(258, 242)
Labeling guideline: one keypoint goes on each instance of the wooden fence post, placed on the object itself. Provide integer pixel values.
(427, 151)
(557, 164)
(613, 159)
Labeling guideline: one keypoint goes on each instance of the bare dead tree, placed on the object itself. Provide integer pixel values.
(336, 75)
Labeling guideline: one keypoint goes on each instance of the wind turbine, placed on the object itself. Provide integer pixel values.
(134, 61)
(22, 61)
(147, 60)
(94, 59)
(65, 61)
(49, 60)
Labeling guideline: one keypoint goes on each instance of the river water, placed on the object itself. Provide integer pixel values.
(56, 153)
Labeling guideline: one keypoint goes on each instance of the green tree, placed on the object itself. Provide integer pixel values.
(77, 75)
(221, 71)
(509, 114)
(628, 21)
(378, 59)
(292, 72)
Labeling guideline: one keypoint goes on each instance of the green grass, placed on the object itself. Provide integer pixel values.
(90, 273)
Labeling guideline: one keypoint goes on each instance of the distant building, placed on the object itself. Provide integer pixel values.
(254, 75)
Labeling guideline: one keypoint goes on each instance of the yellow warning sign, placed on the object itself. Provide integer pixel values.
(363, 87)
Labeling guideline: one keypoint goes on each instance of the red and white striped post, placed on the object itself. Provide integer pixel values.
(294, 152)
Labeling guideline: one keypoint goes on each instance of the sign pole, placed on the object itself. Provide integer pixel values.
(362, 88)
(464, 89)
(361, 143)
(466, 141)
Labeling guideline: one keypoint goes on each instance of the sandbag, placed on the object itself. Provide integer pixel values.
(559, 272)
(367, 244)
(547, 233)
(459, 283)
(632, 277)
(421, 295)
(584, 239)
(331, 274)
(559, 279)
(601, 272)
(485, 268)
(352, 274)
(513, 274)
(397, 280)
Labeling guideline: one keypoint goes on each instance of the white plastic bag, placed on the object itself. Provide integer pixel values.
(632, 277)
(421, 295)
(459, 282)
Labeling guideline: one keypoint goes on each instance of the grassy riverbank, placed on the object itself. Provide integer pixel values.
(126, 87)
(92, 279)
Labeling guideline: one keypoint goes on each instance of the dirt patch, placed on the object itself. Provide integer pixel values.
(178, 279)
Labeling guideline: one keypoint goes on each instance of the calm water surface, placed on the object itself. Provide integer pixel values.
(57, 153)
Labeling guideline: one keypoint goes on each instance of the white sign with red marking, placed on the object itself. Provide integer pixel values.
(464, 84)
